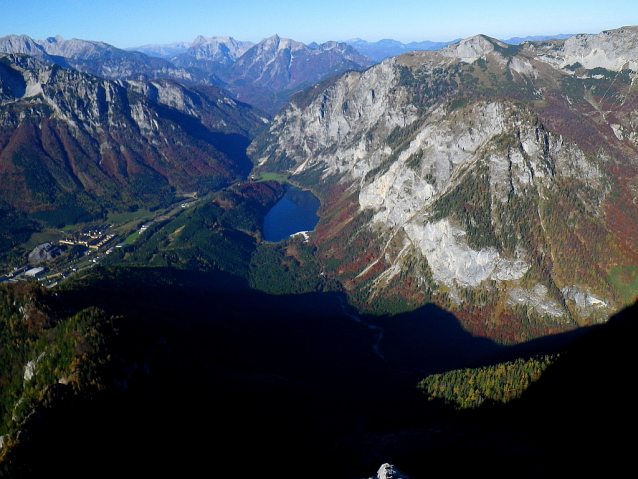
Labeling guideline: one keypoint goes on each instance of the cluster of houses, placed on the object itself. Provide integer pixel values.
(93, 237)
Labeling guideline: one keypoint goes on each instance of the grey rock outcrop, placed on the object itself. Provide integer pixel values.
(388, 471)
(44, 252)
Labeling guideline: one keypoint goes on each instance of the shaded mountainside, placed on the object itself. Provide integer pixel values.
(198, 347)
(492, 179)
(73, 145)
(568, 421)
(50, 357)
(201, 351)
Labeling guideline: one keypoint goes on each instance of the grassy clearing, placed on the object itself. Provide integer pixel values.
(273, 176)
(119, 218)
(84, 263)
(130, 239)
(625, 280)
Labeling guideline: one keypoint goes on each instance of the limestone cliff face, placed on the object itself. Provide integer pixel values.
(613, 50)
(477, 169)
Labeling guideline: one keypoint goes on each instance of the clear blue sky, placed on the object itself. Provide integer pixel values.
(127, 23)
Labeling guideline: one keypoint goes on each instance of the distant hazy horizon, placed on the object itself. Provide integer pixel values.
(134, 23)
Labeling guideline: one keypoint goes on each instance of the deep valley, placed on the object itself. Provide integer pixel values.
(448, 313)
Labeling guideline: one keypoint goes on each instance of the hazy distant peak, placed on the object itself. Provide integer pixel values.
(385, 48)
(54, 39)
(535, 38)
(200, 39)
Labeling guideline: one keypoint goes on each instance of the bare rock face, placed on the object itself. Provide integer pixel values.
(481, 169)
(388, 471)
(613, 50)
(44, 252)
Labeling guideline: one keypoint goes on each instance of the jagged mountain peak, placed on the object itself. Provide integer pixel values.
(199, 39)
(96, 58)
(21, 44)
(202, 40)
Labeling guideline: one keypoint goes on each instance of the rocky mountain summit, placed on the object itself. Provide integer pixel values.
(486, 176)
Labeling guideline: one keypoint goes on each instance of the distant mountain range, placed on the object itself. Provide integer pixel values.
(264, 74)
(376, 51)
(383, 49)
(96, 58)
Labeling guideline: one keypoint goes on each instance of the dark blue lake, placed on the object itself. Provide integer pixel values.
(295, 212)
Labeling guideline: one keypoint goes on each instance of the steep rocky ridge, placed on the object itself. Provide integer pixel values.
(613, 50)
(99, 59)
(72, 144)
(496, 180)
